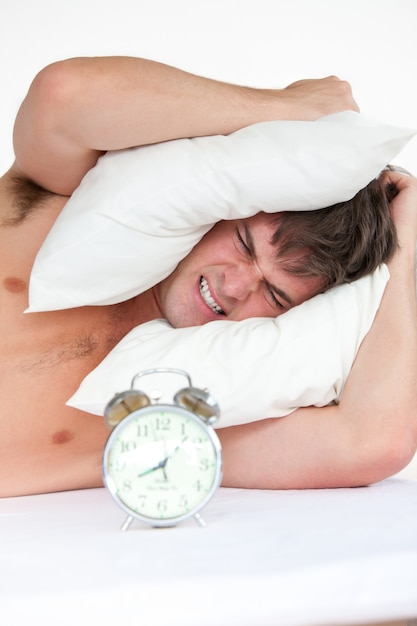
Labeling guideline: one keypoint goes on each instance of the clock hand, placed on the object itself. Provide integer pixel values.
(162, 464)
(175, 450)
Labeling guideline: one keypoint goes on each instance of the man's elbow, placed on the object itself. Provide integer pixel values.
(40, 113)
(385, 455)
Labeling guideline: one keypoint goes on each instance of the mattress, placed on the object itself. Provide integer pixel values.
(309, 557)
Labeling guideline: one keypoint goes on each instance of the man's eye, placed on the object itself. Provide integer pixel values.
(274, 300)
(243, 243)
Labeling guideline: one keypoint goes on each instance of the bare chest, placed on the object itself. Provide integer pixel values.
(43, 359)
(46, 355)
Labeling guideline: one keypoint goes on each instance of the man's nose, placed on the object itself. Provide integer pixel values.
(241, 281)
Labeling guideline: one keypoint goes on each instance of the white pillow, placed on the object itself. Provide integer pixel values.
(140, 211)
(257, 368)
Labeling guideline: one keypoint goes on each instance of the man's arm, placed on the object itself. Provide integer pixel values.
(77, 109)
(372, 433)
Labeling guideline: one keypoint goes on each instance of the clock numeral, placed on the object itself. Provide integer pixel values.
(127, 446)
(183, 503)
(127, 485)
(119, 465)
(143, 430)
(142, 501)
(204, 465)
(198, 486)
(162, 506)
(163, 423)
(198, 442)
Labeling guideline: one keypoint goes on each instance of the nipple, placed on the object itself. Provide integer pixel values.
(62, 436)
(14, 285)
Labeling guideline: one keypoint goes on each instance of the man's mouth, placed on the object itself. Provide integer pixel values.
(208, 298)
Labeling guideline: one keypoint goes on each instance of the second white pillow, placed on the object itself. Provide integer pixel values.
(257, 368)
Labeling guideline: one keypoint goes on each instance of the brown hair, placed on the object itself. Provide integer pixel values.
(342, 242)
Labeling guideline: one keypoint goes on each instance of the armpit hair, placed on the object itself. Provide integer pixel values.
(27, 196)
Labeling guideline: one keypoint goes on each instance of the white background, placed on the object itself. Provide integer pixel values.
(370, 43)
(267, 43)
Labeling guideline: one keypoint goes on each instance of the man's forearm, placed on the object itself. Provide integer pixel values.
(78, 108)
(380, 398)
(381, 391)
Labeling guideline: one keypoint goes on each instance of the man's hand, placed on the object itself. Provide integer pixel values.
(403, 206)
(314, 98)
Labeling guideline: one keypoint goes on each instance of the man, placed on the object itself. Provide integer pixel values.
(264, 265)
(74, 111)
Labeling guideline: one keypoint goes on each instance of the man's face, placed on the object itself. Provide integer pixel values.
(232, 274)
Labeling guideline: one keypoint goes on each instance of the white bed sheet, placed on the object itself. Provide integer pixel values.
(342, 556)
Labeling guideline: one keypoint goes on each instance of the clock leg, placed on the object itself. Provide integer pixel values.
(126, 523)
(199, 520)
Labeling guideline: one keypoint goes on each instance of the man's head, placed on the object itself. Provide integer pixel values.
(264, 265)
(342, 242)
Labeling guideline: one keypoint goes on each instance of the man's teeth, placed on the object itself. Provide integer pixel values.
(208, 298)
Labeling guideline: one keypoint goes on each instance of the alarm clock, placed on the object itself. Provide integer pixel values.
(162, 462)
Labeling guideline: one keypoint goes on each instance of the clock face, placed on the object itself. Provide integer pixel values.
(162, 464)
